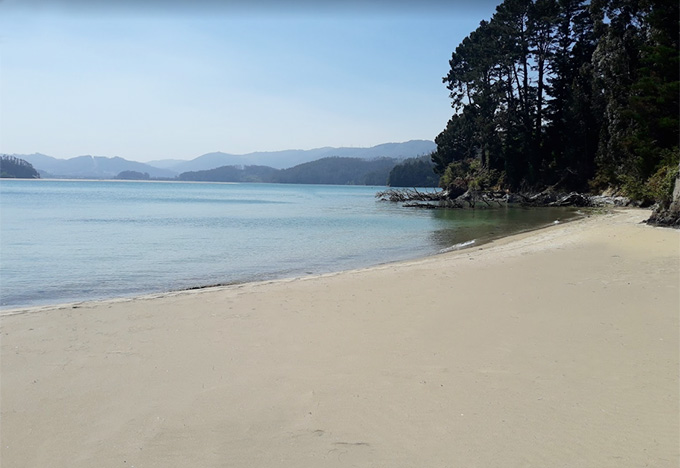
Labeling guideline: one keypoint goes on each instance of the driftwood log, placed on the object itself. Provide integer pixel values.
(412, 197)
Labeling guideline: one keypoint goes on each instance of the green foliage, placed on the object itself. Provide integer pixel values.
(133, 175)
(338, 171)
(661, 183)
(15, 168)
(656, 188)
(333, 171)
(638, 65)
(567, 93)
(470, 174)
(413, 172)
(458, 141)
(231, 174)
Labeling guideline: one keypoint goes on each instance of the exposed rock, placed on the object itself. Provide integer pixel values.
(609, 200)
(669, 215)
(665, 218)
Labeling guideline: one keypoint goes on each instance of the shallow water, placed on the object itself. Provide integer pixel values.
(64, 241)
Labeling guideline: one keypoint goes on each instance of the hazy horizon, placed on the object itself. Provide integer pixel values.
(194, 156)
(174, 80)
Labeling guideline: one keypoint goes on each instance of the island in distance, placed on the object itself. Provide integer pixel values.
(16, 168)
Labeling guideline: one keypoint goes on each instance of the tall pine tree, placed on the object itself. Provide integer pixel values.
(567, 93)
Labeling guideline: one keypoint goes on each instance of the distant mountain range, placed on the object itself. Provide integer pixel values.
(289, 158)
(89, 167)
(100, 167)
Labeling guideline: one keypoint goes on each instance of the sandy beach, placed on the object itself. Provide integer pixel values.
(558, 347)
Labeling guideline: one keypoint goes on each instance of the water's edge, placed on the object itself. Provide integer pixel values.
(269, 278)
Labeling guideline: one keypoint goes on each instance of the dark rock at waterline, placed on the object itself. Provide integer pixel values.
(665, 218)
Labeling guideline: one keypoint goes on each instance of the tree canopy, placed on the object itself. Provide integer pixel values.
(133, 175)
(12, 167)
(332, 170)
(413, 172)
(573, 94)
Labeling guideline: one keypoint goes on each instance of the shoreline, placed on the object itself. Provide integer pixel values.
(576, 216)
(557, 346)
(462, 246)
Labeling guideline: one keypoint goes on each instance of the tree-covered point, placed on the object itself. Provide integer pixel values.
(337, 170)
(11, 167)
(572, 94)
(414, 172)
(231, 174)
(332, 170)
(133, 175)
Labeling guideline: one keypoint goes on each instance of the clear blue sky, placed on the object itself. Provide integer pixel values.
(152, 80)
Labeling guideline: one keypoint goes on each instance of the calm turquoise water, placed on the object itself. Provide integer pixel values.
(64, 241)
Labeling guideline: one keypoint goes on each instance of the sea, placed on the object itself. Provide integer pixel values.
(65, 241)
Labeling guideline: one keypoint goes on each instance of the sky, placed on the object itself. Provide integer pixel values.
(148, 80)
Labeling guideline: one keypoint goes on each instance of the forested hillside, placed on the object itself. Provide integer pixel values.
(231, 174)
(571, 94)
(11, 167)
(338, 171)
(332, 170)
(413, 172)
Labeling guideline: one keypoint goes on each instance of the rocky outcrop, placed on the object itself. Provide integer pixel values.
(669, 215)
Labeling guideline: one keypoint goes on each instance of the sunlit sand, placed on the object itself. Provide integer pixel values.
(552, 348)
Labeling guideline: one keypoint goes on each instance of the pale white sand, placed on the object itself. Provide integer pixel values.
(557, 348)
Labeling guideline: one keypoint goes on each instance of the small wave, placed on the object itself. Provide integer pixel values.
(459, 246)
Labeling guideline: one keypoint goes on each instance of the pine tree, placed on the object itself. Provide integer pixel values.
(568, 94)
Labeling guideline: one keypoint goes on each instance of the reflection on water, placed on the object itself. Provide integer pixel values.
(484, 225)
(65, 241)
